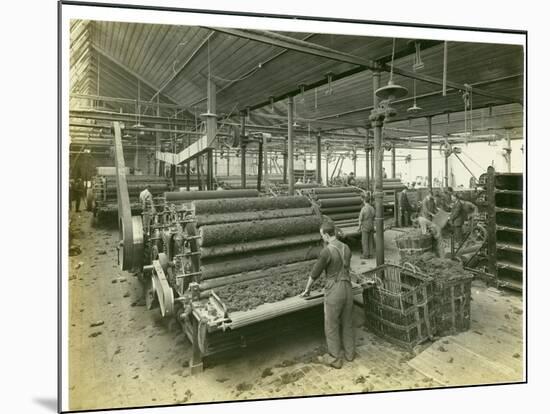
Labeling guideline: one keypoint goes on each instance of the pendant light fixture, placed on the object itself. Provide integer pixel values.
(138, 115)
(391, 91)
(414, 108)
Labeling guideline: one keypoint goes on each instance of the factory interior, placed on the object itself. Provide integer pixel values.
(204, 164)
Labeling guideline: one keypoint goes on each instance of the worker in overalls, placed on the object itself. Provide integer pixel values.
(429, 209)
(457, 218)
(427, 226)
(335, 259)
(366, 227)
(405, 208)
(147, 206)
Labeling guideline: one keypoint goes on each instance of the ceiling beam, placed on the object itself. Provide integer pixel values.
(328, 53)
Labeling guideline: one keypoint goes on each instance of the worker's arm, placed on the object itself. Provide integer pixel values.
(318, 268)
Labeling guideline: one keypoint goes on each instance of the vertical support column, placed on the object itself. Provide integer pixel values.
(508, 151)
(188, 173)
(243, 152)
(318, 158)
(367, 158)
(446, 171)
(377, 122)
(260, 163)
(215, 163)
(210, 169)
(285, 163)
(378, 192)
(266, 164)
(157, 141)
(430, 179)
(393, 161)
(355, 162)
(290, 155)
(211, 117)
(199, 175)
(326, 172)
(228, 162)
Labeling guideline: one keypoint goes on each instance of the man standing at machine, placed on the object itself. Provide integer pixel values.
(366, 227)
(428, 209)
(147, 206)
(351, 179)
(457, 218)
(335, 259)
(78, 193)
(405, 208)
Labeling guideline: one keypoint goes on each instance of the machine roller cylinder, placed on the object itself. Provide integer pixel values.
(240, 248)
(221, 218)
(242, 232)
(261, 259)
(332, 190)
(341, 202)
(208, 195)
(249, 204)
(343, 209)
(344, 216)
(337, 195)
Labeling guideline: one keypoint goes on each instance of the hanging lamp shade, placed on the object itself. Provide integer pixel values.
(414, 108)
(391, 91)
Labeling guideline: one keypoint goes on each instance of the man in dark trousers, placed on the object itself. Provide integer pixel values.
(429, 208)
(78, 193)
(457, 218)
(335, 259)
(351, 179)
(366, 227)
(405, 208)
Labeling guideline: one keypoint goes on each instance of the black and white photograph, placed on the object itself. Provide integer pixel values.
(275, 207)
(258, 213)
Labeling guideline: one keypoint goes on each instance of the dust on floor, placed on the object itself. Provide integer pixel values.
(122, 355)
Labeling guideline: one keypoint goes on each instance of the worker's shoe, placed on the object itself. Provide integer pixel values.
(330, 361)
(350, 359)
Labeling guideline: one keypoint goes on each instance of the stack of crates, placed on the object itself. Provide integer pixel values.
(407, 307)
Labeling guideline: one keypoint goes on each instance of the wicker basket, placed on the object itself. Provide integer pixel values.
(398, 307)
(417, 244)
(451, 302)
(452, 305)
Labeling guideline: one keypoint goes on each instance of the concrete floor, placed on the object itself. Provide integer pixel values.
(134, 358)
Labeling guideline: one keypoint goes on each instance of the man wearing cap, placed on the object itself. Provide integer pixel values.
(334, 260)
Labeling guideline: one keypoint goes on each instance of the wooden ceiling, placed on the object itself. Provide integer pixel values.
(124, 60)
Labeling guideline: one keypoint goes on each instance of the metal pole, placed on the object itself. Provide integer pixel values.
(379, 193)
(266, 164)
(157, 140)
(210, 170)
(188, 173)
(318, 160)
(199, 175)
(326, 172)
(377, 122)
(243, 152)
(290, 155)
(367, 158)
(446, 171)
(260, 163)
(393, 161)
(508, 151)
(430, 154)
